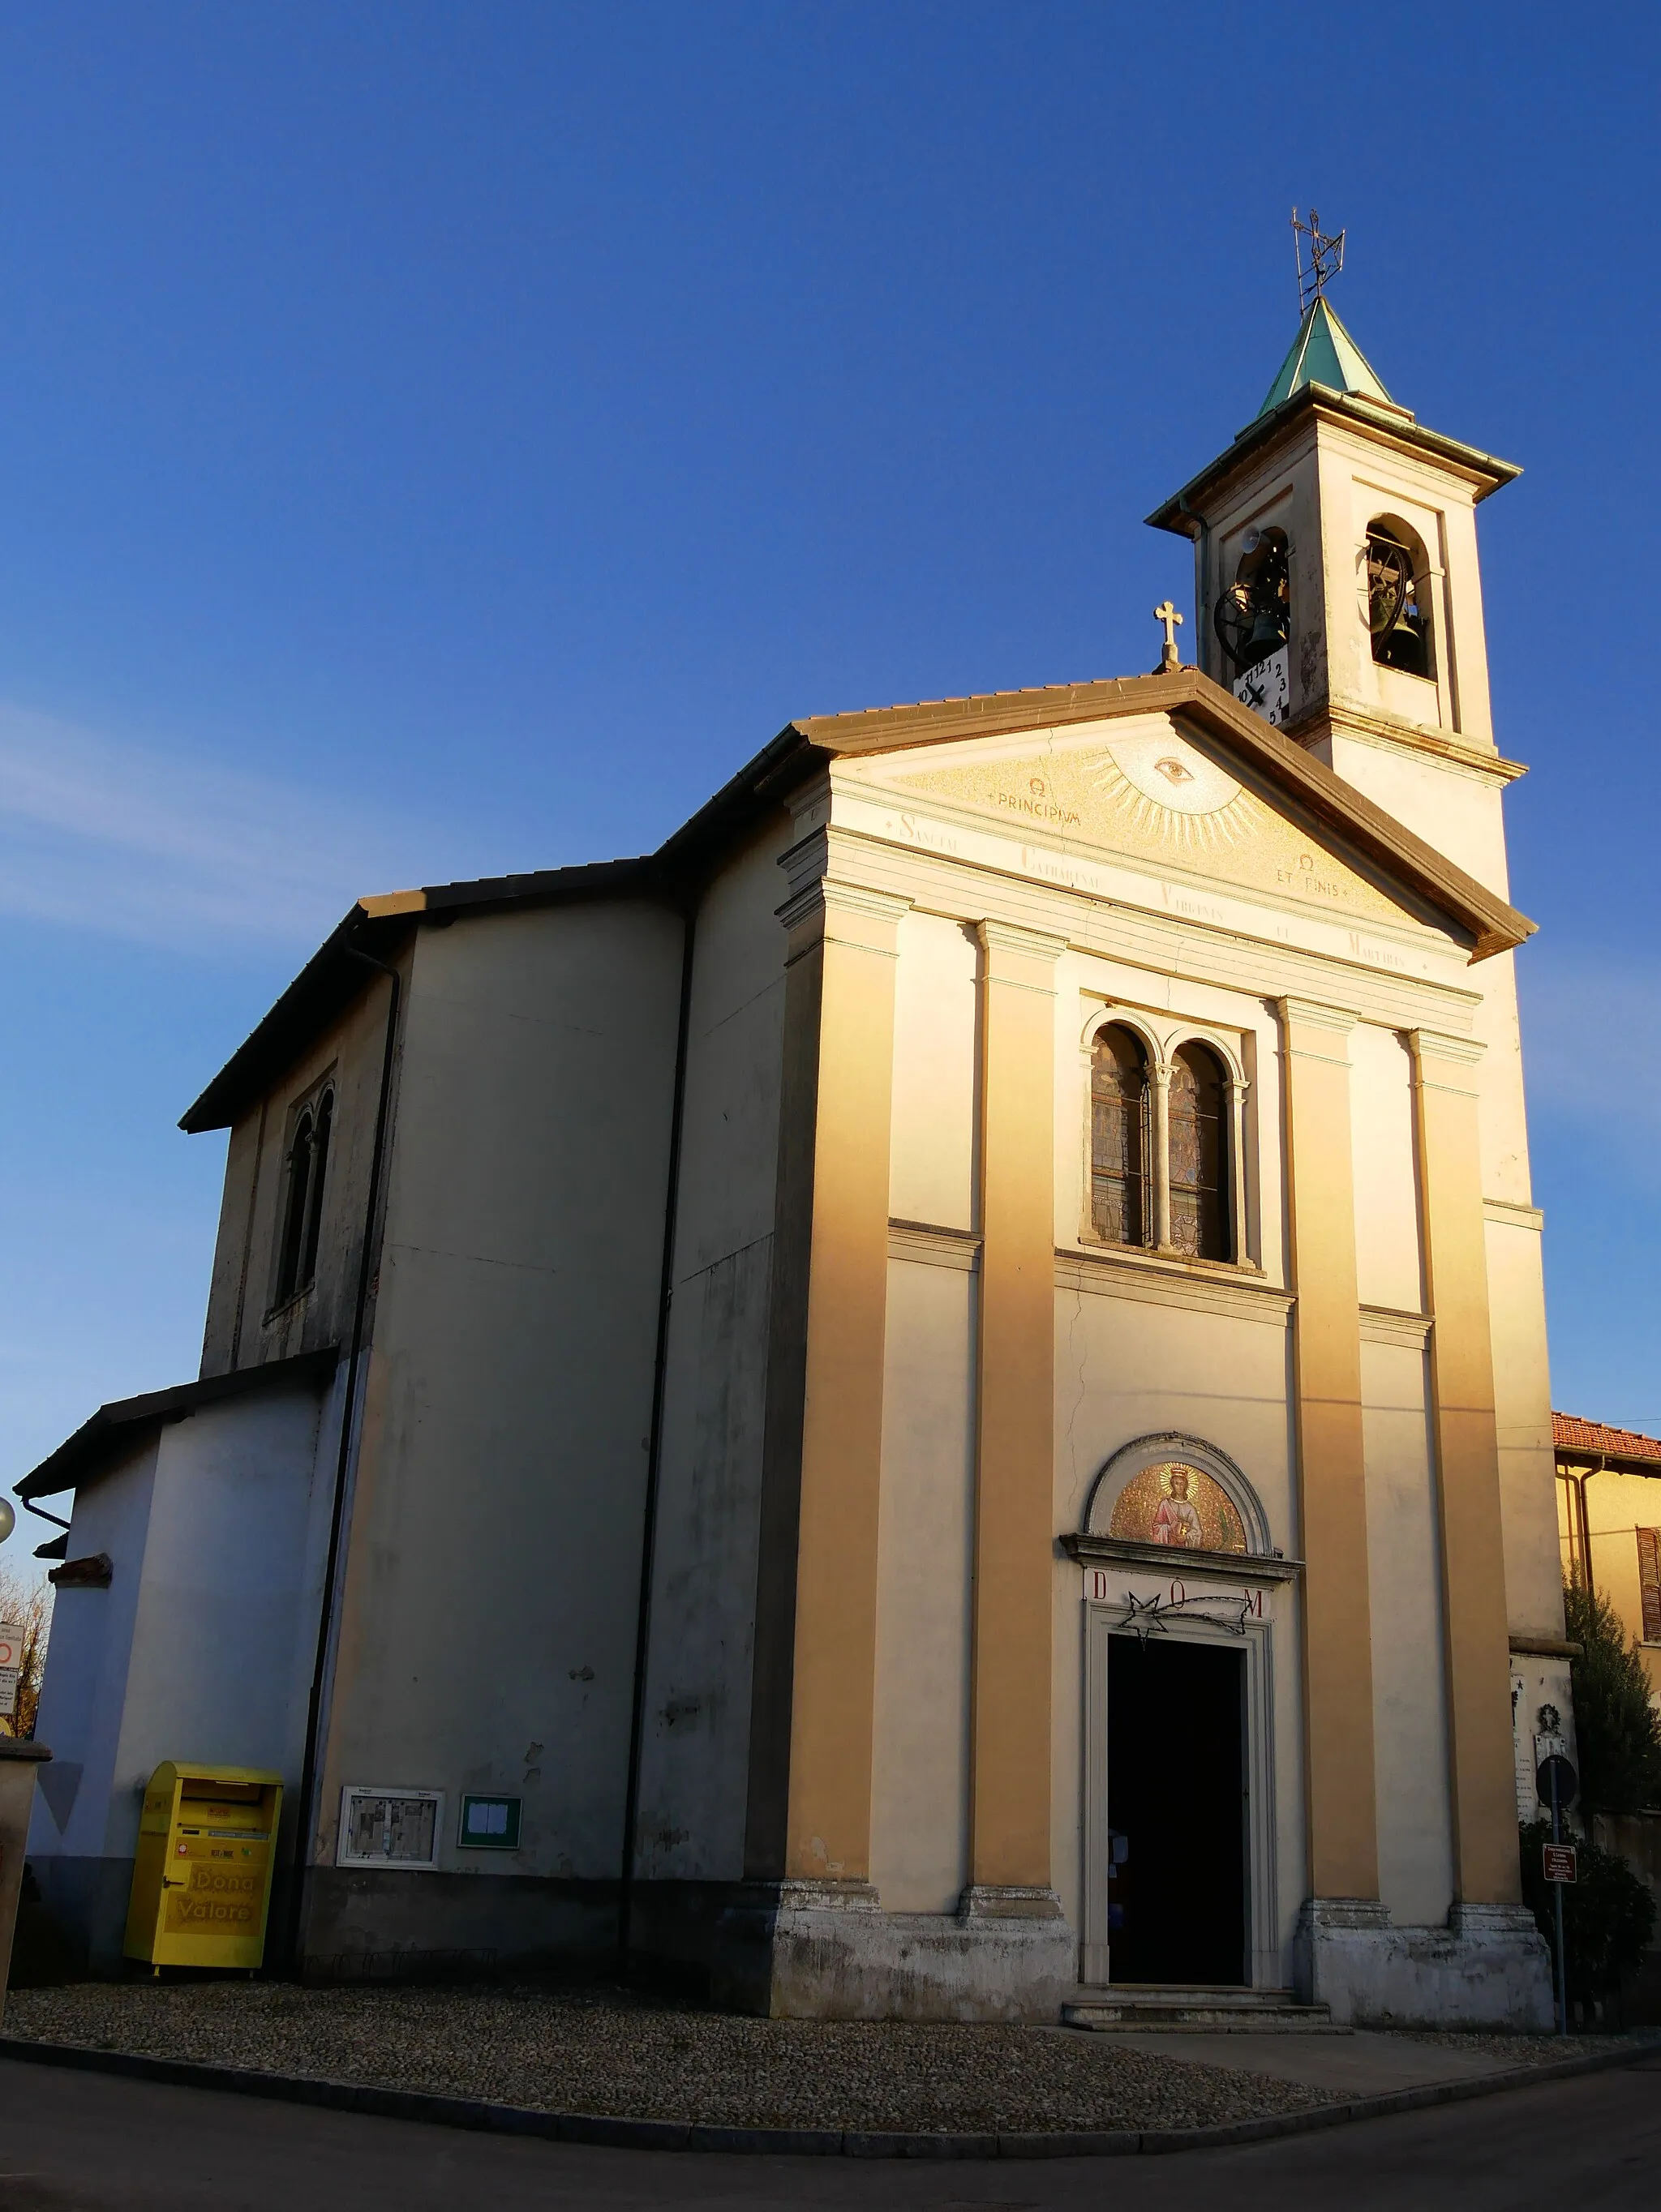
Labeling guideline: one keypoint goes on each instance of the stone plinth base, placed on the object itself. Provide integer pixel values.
(811, 1950)
(1487, 1968)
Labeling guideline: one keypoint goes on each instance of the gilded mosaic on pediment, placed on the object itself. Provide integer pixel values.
(1148, 793)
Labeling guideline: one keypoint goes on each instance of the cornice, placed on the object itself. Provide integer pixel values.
(1234, 1566)
(1169, 946)
(1389, 733)
(1011, 937)
(932, 1246)
(1512, 1214)
(1388, 1325)
(1318, 405)
(832, 903)
(1316, 1014)
(1197, 1287)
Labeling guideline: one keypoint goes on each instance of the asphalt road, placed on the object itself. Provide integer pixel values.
(84, 2142)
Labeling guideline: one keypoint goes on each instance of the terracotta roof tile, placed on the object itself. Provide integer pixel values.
(1569, 1432)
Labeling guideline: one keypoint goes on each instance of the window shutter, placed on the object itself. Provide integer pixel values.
(1649, 1582)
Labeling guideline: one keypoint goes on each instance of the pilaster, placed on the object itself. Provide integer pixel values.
(1009, 1801)
(809, 1816)
(1009, 1808)
(1468, 1468)
(1343, 1840)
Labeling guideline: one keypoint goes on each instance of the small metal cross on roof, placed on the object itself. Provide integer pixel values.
(1169, 657)
(1326, 258)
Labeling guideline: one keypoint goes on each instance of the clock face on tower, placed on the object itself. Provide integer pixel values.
(1265, 687)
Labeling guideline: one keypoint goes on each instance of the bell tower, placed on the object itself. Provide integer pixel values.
(1338, 590)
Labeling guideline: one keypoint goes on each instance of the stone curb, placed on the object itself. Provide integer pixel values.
(619, 2134)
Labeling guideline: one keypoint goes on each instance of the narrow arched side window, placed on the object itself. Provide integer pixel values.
(1199, 1154)
(296, 1209)
(319, 1166)
(1120, 1207)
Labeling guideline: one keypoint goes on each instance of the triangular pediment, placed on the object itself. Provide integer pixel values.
(1165, 768)
(1146, 789)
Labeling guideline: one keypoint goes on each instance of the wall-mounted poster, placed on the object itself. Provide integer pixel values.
(1179, 1506)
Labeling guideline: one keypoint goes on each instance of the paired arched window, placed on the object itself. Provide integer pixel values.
(307, 1166)
(1199, 1154)
(1398, 618)
(1120, 1137)
(1145, 1163)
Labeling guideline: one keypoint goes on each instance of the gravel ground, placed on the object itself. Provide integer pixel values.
(614, 2050)
(1520, 2049)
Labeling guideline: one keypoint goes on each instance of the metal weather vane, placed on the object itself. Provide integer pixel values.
(1326, 258)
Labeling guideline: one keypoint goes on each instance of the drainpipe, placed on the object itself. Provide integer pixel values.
(1581, 1539)
(654, 1452)
(305, 1822)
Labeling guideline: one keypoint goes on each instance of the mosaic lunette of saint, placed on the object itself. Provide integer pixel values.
(1179, 1506)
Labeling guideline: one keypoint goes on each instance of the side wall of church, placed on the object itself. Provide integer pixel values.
(487, 1615)
(694, 1763)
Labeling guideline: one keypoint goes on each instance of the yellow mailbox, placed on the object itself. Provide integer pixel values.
(202, 1878)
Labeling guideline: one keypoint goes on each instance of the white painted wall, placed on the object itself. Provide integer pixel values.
(920, 1782)
(202, 1646)
(83, 1695)
(487, 1621)
(1404, 1580)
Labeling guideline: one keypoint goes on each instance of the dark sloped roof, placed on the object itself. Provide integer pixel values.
(115, 1429)
(332, 978)
(1576, 1438)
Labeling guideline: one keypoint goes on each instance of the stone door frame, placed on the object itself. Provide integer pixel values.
(1103, 1622)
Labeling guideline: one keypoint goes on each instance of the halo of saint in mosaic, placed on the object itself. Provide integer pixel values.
(1179, 1506)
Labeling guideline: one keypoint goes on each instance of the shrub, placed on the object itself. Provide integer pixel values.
(1609, 1914)
(1617, 1731)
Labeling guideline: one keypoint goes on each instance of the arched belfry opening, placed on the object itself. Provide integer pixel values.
(1253, 615)
(1398, 618)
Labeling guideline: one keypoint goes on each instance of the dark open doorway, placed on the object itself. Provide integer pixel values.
(1175, 1807)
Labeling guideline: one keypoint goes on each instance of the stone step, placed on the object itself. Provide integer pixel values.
(1208, 2012)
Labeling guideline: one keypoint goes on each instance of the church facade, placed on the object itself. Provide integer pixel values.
(931, 1402)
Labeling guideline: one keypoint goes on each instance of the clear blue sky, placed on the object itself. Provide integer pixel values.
(436, 441)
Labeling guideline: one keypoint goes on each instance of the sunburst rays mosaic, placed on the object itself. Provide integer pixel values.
(1198, 834)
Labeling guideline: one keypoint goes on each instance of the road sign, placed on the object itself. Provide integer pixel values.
(11, 1658)
(1559, 1861)
(1569, 1782)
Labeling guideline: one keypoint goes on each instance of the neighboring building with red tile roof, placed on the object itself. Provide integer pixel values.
(1609, 1524)
(1576, 1438)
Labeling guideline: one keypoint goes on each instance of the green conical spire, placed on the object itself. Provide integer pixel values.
(1323, 352)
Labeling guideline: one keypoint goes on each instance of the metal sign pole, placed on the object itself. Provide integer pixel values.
(1557, 1895)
